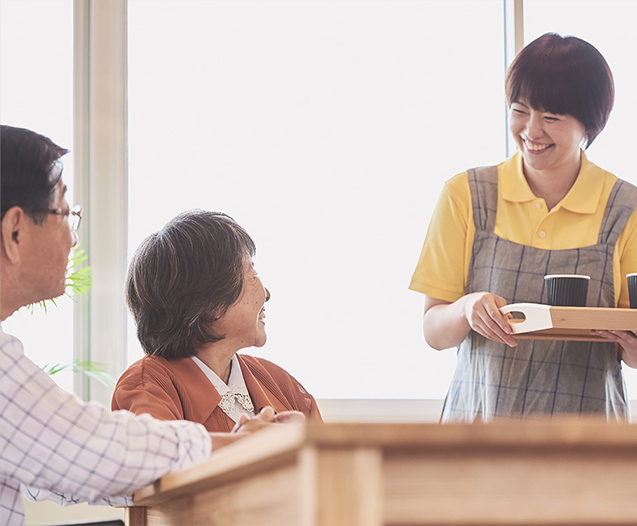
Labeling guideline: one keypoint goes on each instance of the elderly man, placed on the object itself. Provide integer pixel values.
(49, 439)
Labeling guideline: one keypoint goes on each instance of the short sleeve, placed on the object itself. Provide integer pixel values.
(626, 251)
(443, 265)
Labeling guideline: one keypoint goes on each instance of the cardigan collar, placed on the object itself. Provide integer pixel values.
(261, 396)
(190, 374)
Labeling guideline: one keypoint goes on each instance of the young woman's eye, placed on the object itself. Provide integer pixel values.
(551, 119)
(518, 111)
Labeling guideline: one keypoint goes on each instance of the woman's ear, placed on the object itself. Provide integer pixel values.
(12, 230)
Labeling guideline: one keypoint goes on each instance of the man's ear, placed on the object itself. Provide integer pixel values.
(14, 223)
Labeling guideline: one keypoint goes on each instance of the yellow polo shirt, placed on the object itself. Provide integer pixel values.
(523, 218)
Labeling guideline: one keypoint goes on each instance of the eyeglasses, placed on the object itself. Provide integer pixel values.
(73, 215)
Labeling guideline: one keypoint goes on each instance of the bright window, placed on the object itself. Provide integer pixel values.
(326, 129)
(36, 92)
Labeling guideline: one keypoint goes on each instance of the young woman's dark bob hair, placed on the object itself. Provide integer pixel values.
(184, 277)
(565, 76)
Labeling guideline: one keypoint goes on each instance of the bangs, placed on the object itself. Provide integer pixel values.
(549, 89)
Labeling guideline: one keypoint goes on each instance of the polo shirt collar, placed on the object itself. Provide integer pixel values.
(583, 197)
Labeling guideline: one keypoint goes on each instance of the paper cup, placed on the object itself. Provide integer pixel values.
(632, 289)
(566, 290)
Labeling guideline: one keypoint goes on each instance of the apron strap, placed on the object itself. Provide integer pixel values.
(483, 183)
(619, 208)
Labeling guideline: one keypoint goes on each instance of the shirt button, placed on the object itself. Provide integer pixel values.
(542, 233)
(538, 205)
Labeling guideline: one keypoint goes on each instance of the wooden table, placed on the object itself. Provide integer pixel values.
(558, 472)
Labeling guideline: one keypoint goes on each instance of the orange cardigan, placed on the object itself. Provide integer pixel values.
(179, 390)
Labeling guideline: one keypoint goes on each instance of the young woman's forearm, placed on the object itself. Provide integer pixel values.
(444, 323)
(448, 324)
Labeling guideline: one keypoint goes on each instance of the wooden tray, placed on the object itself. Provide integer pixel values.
(543, 322)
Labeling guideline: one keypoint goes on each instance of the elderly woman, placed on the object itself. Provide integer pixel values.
(197, 300)
(498, 230)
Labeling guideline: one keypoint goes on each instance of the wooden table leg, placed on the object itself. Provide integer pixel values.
(135, 516)
(346, 486)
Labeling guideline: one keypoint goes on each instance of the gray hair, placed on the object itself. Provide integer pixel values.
(183, 278)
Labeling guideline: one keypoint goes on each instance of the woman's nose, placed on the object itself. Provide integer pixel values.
(534, 129)
(267, 294)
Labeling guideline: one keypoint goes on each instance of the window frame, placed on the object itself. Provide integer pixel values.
(100, 158)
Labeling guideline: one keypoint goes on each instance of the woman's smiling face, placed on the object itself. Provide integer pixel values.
(243, 324)
(546, 140)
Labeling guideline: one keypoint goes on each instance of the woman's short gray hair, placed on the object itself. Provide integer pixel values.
(184, 277)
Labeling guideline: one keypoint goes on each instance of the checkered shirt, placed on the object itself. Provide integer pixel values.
(51, 440)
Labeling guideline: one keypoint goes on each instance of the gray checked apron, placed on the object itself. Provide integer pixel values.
(537, 377)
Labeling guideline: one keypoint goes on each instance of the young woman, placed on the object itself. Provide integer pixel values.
(497, 231)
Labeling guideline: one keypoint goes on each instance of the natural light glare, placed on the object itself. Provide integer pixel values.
(36, 92)
(326, 129)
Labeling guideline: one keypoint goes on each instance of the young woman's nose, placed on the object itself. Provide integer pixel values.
(534, 126)
(267, 294)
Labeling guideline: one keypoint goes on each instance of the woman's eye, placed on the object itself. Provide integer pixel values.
(519, 112)
(551, 119)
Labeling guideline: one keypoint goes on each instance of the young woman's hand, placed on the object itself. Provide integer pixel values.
(627, 341)
(448, 324)
(482, 311)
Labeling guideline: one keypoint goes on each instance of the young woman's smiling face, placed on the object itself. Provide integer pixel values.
(547, 141)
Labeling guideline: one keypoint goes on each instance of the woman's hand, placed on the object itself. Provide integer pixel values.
(448, 324)
(246, 426)
(289, 417)
(627, 341)
(266, 417)
(482, 311)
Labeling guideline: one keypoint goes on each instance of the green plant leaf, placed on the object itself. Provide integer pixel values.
(78, 280)
(93, 370)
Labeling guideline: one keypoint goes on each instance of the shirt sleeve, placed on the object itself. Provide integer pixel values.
(49, 439)
(61, 499)
(142, 390)
(626, 251)
(443, 265)
(303, 400)
(278, 384)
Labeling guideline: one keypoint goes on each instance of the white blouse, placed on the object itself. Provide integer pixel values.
(235, 398)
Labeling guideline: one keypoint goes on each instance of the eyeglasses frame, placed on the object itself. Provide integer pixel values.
(73, 215)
